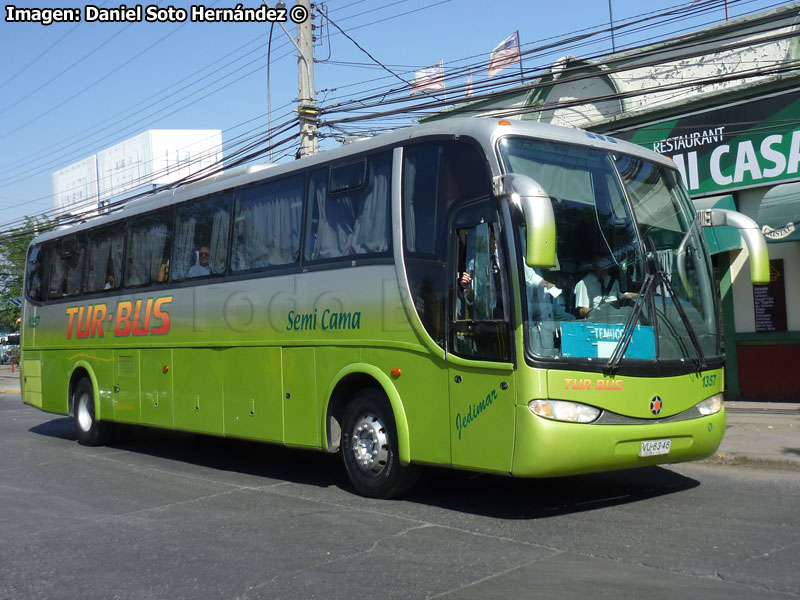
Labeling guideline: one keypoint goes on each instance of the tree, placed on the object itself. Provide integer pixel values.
(13, 254)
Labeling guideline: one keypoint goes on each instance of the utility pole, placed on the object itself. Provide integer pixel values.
(307, 95)
(307, 107)
(611, 21)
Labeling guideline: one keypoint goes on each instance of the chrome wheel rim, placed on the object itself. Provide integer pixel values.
(84, 416)
(370, 444)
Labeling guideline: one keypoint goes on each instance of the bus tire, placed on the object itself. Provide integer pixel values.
(369, 447)
(90, 431)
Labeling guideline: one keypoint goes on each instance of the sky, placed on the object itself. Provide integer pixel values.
(69, 90)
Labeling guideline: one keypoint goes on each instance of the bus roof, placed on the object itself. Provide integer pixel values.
(485, 130)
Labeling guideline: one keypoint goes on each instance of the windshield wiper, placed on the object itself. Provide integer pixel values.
(627, 333)
(667, 285)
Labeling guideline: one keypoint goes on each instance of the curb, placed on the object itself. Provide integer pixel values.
(743, 460)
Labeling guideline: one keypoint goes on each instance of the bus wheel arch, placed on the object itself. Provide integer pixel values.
(89, 429)
(370, 448)
(344, 388)
(78, 373)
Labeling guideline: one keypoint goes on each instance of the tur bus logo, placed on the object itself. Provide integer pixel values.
(656, 405)
(138, 317)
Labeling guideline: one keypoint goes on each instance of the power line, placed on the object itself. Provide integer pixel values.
(386, 121)
(392, 96)
(360, 47)
(578, 38)
(79, 213)
(154, 175)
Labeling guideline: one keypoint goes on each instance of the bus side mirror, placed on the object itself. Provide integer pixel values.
(537, 209)
(751, 234)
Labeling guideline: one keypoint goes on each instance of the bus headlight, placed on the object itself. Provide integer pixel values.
(711, 405)
(562, 410)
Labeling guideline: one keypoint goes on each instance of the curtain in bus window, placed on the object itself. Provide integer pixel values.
(219, 239)
(104, 259)
(185, 252)
(409, 176)
(370, 232)
(148, 251)
(266, 230)
(99, 250)
(67, 269)
(201, 224)
(117, 255)
(56, 281)
(420, 206)
(33, 277)
(353, 221)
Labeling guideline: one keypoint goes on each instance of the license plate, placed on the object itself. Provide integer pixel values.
(655, 447)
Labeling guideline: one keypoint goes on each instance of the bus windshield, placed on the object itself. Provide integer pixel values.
(632, 279)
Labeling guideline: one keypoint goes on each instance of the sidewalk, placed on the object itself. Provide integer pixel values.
(758, 433)
(761, 433)
(9, 382)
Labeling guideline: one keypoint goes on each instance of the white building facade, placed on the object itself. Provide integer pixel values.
(153, 158)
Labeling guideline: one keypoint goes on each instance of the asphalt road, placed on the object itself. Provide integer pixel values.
(167, 515)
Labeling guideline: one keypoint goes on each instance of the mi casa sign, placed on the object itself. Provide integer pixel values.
(745, 161)
(744, 145)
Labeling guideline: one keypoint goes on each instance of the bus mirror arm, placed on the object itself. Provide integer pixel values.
(751, 234)
(532, 200)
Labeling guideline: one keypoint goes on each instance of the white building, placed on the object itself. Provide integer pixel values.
(155, 157)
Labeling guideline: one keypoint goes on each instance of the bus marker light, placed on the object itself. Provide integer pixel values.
(165, 368)
(504, 122)
(396, 372)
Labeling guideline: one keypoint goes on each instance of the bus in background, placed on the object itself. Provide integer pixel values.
(505, 297)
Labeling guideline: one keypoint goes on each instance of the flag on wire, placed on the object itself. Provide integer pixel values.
(505, 55)
(430, 78)
(468, 92)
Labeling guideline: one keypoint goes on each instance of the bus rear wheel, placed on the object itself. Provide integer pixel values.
(369, 447)
(89, 430)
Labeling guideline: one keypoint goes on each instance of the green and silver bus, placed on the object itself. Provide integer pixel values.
(423, 297)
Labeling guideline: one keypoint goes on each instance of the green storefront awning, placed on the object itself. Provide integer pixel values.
(719, 239)
(779, 213)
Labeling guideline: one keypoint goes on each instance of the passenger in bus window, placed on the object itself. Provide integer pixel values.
(163, 273)
(493, 291)
(598, 287)
(202, 266)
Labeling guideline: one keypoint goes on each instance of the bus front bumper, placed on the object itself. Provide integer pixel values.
(546, 448)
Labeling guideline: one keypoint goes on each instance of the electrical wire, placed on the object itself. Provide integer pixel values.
(386, 120)
(245, 155)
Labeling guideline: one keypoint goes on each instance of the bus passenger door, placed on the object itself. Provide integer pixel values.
(126, 386)
(482, 395)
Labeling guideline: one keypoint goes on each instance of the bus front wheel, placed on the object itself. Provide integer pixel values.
(369, 447)
(90, 431)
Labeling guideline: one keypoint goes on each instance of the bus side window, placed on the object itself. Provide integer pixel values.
(266, 228)
(464, 174)
(425, 241)
(346, 220)
(34, 275)
(149, 245)
(479, 295)
(201, 238)
(67, 267)
(480, 327)
(104, 248)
